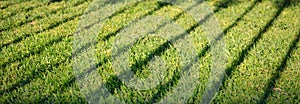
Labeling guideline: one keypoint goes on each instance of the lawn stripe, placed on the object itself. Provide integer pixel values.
(257, 41)
(58, 39)
(115, 79)
(97, 22)
(38, 69)
(107, 36)
(33, 75)
(22, 14)
(280, 69)
(20, 57)
(10, 3)
(31, 33)
(15, 22)
(46, 70)
(24, 7)
(224, 4)
(5, 4)
(157, 51)
(225, 31)
(205, 50)
(245, 52)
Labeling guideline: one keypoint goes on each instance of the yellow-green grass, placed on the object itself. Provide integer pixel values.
(262, 42)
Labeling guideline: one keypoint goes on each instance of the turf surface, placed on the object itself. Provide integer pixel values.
(262, 42)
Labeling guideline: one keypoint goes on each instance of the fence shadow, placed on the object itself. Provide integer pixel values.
(14, 13)
(223, 4)
(26, 35)
(244, 53)
(35, 74)
(52, 1)
(272, 81)
(114, 83)
(10, 4)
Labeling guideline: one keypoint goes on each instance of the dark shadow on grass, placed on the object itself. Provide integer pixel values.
(244, 53)
(173, 81)
(225, 31)
(36, 52)
(37, 32)
(14, 13)
(105, 38)
(62, 88)
(52, 1)
(10, 4)
(160, 5)
(206, 49)
(114, 79)
(165, 46)
(272, 81)
(35, 18)
(157, 52)
(223, 4)
(35, 73)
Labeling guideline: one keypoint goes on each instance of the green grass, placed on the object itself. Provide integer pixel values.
(262, 42)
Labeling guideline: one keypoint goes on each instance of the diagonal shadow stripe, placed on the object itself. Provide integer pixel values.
(37, 17)
(98, 21)
(164, 87)
(26, 35)
(169, 85)
(63, 87)
(207, 47)
(10, 4)
(106, 58)
(272, 81)
(161, 5)
(107, 37)
(26, 9)
(35, 73)
(223, 4)
(225, 31)
(246, 51)
(114, 79)
(165, 46)
(162, 47)
(40, 31)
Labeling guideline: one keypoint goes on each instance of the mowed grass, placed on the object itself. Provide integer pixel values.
(262, 42)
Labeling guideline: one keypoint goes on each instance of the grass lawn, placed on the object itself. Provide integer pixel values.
(262, 49)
